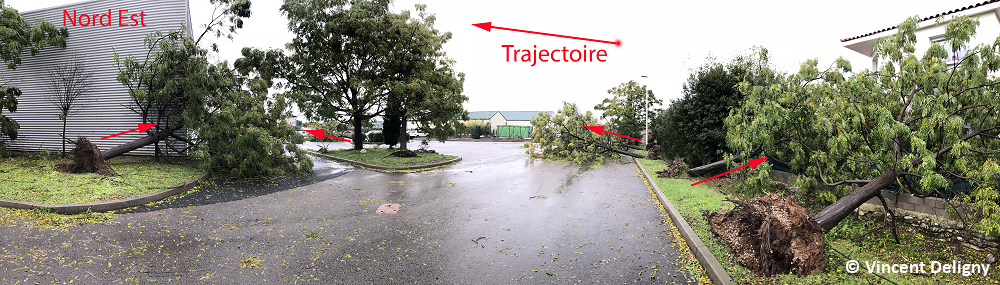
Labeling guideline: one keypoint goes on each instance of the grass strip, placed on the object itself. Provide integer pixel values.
(35, 179)
(691, 202)
(380, 156)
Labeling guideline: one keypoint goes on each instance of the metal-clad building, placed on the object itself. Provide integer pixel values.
(105, 113)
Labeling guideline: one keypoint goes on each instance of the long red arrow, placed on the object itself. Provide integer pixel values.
(320, 134)
(753, 163)
(141, 128)
(600, 131)
(489, 25)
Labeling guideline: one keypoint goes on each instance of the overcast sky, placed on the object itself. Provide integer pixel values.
(663, 40)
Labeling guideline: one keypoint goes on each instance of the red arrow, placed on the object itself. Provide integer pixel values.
(489, 25)
(600, 131)
(753, 163)
(141, 128)
(320, 134)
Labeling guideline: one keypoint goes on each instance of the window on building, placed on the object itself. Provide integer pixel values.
(953, 56)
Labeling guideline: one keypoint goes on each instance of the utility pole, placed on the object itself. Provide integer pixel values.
(645, 112)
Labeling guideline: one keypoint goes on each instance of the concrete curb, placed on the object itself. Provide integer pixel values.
(387, 168)
(712, 267)
(104, 206)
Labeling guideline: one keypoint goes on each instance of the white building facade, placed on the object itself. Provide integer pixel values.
(928, 32)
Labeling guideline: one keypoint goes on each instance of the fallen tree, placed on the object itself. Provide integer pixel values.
(923, 127)
(239, 128)
(564, 136)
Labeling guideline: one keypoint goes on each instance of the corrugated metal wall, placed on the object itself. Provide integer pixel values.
(105, 114)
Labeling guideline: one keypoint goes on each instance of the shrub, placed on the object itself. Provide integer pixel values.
(693, 127)
(376, 137)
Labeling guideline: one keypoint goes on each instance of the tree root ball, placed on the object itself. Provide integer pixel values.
(770, 235)
(88, 159)
(403, 153)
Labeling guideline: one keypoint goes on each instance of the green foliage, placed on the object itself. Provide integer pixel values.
(240, 132)
(391, 126)
(475, 128)
(624, 110)
(552, 136)
(376, 137)
(348, 59)
(18, 34)
(919, 119)
(692, 127)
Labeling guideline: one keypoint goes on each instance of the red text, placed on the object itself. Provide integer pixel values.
(99, 19)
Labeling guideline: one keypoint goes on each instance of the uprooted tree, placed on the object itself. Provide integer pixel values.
(238, 127)
(918, 122)
(564, 136)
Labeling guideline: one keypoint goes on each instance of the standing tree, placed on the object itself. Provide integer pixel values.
(348, 59)
(624, 110)
(692, 127)
(917, 122)
(69, 86)
(392, 124)
(19, 34)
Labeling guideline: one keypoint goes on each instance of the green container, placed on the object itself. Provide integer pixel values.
(513, 131)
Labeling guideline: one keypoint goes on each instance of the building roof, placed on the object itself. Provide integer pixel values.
(524, 115)
(481, 115)
(924, 19)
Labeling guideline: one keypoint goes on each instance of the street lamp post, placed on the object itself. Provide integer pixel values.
(645, 112)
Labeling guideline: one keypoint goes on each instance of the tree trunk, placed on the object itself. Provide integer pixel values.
(404, 137)
(359, 139)
(136, 144)
(708, 168)
(64, 141)
(830, 216)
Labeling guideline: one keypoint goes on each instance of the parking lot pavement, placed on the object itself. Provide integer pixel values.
(496, 217)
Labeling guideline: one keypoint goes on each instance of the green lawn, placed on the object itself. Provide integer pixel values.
(380, 157)
(692, 201)
(34, 179)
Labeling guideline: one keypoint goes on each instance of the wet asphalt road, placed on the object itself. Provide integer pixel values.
(494, 218)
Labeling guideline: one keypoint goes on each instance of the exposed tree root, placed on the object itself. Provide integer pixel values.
(88, 159)
(770, 235)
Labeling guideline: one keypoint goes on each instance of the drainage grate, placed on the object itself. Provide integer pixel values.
(388, 208)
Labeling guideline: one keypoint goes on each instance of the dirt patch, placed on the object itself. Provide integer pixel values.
(88, 159)
(654, 151)
(403, 153)
(770, 235)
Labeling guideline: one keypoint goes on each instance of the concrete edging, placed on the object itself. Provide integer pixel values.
(712, 267)
(104, 206)
(377, 167)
